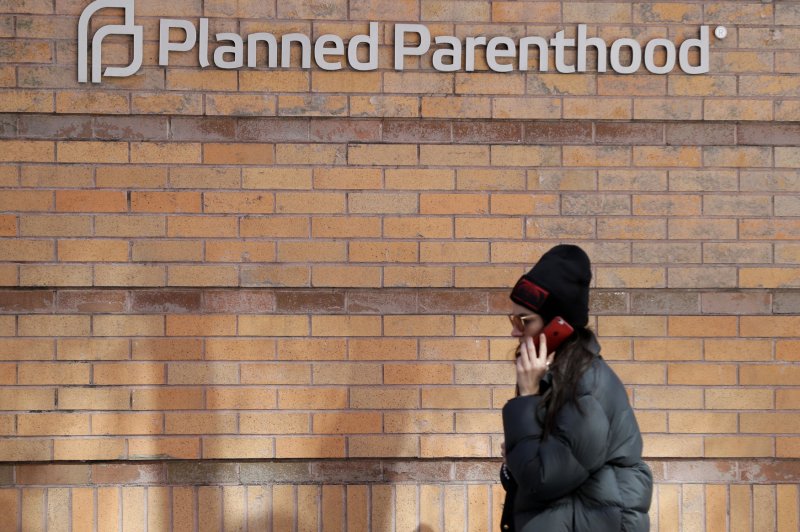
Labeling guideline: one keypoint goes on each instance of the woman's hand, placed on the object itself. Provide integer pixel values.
(532, 365)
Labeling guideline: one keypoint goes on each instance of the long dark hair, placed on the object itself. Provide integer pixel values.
(571, 361)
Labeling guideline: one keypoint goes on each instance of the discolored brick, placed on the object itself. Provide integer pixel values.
(203, 129)
(381, 302)
(165, 301)
(663, 302)
(272, 129)
(129, 474)
(60, 127)
(482, 132)
(201, 472)
(737, 303)
(130, 128)
(768, 134)
(688, 134)
(13, 301)
(417, 131)
(340, 130)
(275, 472)
(92, 301)
(629, 134)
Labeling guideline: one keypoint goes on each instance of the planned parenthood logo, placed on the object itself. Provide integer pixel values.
(129, 28)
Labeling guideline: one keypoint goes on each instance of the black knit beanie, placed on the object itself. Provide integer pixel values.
(558, 285)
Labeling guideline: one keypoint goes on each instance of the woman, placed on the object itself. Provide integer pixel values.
(573, 450)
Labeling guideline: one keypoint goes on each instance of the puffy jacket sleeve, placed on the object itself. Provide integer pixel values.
(552, 468)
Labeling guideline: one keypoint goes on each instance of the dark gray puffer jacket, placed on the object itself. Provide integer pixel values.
(588, 475)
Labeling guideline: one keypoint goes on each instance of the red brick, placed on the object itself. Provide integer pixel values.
(90, 201)
(200, 325)
(27, 151)
(167, 251)
(116, 373)
(19, 250)
(26, 349)
(189, 226)
(91, 152)
(416, 131)
(276, 178)
(130, 226)
(275, 226)
(8, 225)
(464, 203)
(93, 251)
(276, 373)
(207, 177)
(310, 447)
(275, 276)
(377, 106)
(239, 349)
(111, 398)
(166, 349)
(419, 179)
(33, 399)
(165, 202)
(26, 201)
(60, 424)
(202, 275)
(26, 450)
(119, 424)
(53, 373)
(384, 397)
(159, 448)
(173, 398)
(203, 373)
(238, 153)
(240, 398)
(244, 301)
(200, 423)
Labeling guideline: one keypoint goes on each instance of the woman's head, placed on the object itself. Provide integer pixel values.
(558, 285)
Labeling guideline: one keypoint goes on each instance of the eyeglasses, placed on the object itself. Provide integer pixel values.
(518, 322)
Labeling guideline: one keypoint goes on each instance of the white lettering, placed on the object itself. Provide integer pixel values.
(321, 50)
(584, 43)
(702, 44)
(472, 42)
(454, 53)
(559, 42)
(636, 56)
(371, 41)
(400, 48)
(237, 49)
(492, 53)
(650, 56)
(165, 46)
(202, 54)
(252, 49)
(286, 49)
(540, 42)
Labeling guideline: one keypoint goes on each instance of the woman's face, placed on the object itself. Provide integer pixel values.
(533, 325)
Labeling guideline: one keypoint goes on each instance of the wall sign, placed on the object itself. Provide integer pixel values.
(329, 52)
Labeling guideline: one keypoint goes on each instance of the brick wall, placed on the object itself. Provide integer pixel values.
(240, 293)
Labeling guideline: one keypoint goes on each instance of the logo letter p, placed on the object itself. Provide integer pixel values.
(129, 28)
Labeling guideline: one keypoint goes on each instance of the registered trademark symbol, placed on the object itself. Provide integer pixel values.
(721, 32)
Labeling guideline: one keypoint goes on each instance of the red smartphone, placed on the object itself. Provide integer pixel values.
(555, 333)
